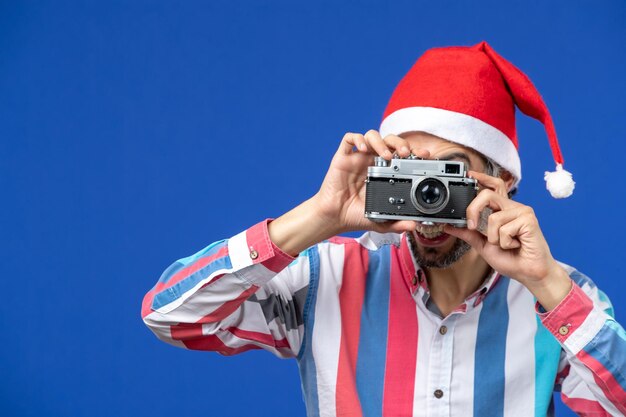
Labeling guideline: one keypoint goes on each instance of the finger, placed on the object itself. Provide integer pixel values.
(485, 198)
(509, 234)
(375, 142)
(472, 237)
(419, 152)
(496, 184)
(497, 220)
(350, 141)
(401, 146)
(399, 226)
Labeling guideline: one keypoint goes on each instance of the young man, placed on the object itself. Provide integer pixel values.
(413, 319)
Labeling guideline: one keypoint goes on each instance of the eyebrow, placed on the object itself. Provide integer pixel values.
(456, 155)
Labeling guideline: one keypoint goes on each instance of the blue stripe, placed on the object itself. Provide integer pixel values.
(175, 291)
(609, 348)
(306, 361)
(213, 248)
(370, 367)
(581, 279)
(170, 271)
(609, 309)
(210, 250)
(490, 352)
(547, 355)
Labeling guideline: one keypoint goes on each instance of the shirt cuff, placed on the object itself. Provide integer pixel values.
(574, 322)
(255, 257)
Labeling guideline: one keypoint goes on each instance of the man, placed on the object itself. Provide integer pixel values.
(413, 319)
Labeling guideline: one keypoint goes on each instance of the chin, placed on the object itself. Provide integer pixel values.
(441, 255)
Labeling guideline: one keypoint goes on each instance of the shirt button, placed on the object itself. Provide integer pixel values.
(563, 330)
(414, 280)
(443, 330)
(438, 393)
(254, 254)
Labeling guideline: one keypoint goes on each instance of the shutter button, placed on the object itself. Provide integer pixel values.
(438, 393)
(254, 254)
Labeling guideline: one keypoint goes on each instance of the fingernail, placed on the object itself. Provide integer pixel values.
(363, 147)
(404, 149)
(471, 224)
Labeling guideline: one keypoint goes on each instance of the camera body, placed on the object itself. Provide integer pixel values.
(418, 189)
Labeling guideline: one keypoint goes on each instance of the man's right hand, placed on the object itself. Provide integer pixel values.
(339, 205)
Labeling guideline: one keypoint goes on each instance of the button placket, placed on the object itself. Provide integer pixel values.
(440, 368)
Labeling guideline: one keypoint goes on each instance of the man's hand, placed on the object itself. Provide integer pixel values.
(339, 205)
(513, 243)
(341, 198)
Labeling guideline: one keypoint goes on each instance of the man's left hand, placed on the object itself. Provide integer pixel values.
(513, 243)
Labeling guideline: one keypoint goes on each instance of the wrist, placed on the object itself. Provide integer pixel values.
(553, 288)
(301, 228)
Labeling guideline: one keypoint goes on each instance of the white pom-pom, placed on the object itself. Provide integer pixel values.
(559, 183)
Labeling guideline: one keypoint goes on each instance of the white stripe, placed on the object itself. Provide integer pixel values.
(204, 301)
(519, 363)
(238, 251)
(588, 330)
(233, 341)
(180, 300)
(459, 128)
(375, 240)
(426, 325)
(574, 386)
(462, 387)
(326, 337)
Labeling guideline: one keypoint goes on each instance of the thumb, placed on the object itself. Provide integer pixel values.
(473, 237)
(396, 226)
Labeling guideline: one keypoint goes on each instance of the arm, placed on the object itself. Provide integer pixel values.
(232, 296)
(595, 345)
(239, 294)
(592, 377)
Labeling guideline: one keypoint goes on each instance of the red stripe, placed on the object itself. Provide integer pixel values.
(573, 311)
(401, 346)
(605, 380)
(192, 337)
(228, 307)
(148, 299)
(191, 269)
(146, 305)
(270, 255)
(581, 406)
(350, 303)
(266, 339)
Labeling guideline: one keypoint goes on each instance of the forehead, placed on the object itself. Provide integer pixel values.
(439, 147)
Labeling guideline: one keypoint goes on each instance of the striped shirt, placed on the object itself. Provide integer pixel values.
(357, 316)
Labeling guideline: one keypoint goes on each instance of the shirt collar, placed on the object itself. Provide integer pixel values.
(415, 278)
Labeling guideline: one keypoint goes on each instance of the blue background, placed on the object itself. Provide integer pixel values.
(136, 133)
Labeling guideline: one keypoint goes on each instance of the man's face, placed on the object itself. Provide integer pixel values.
(433, 248)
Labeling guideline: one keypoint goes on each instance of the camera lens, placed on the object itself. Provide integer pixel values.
(430, 195)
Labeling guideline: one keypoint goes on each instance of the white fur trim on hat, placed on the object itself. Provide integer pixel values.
(459, 128)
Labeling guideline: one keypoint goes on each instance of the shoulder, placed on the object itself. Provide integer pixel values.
(354, 248)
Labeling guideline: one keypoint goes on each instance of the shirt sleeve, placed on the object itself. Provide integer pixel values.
(232, 296)
(591, 374)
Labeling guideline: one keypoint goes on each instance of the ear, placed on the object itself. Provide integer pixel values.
(508, 179)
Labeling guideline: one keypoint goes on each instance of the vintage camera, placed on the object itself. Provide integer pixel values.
(418, 189)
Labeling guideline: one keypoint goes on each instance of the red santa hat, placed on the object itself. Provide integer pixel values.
(468, 95)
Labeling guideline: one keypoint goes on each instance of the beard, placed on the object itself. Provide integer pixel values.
(433, 257)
